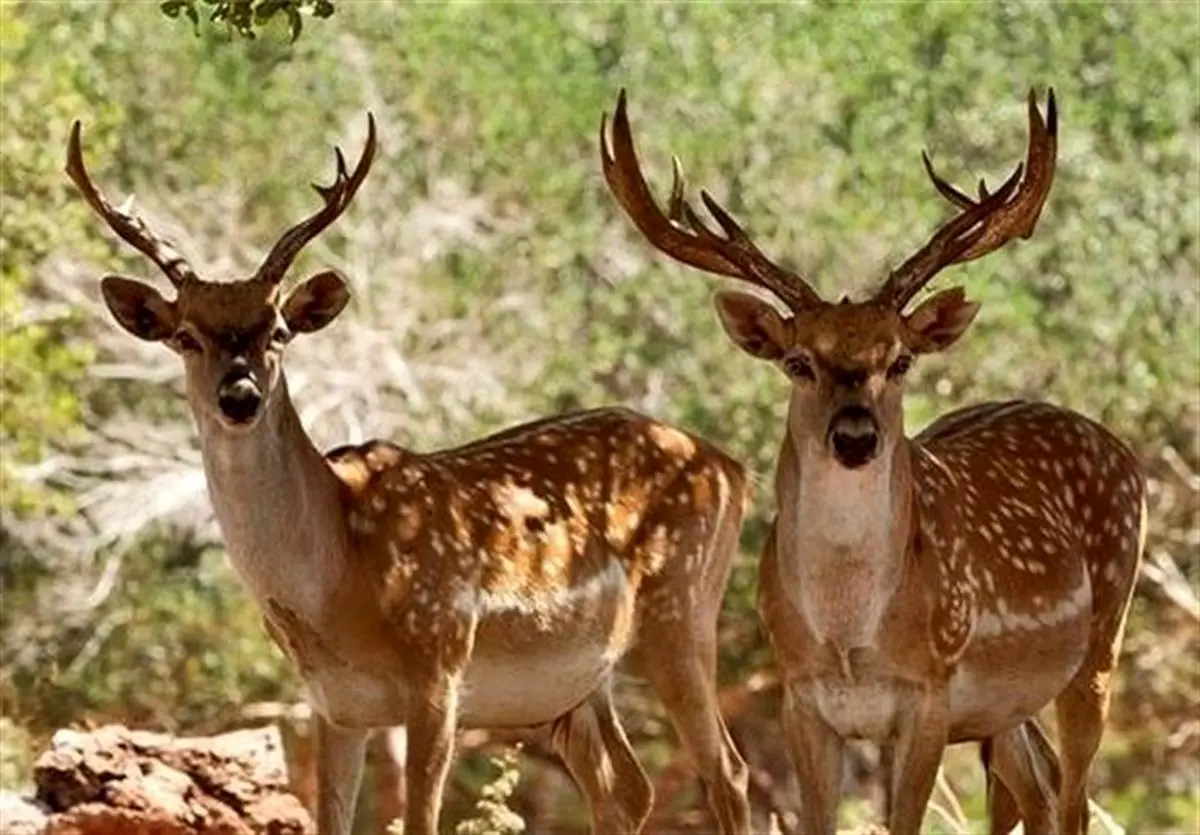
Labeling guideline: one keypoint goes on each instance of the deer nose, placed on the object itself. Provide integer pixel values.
(854, 437)
(238, 397)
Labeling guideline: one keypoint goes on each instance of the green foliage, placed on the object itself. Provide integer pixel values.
(16, 761)
(39, 369)
(492, 815)
(245, 17)
(178, 648)
(805, 121)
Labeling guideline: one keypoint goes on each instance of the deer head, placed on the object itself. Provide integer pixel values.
(230, 335)
(846, 360)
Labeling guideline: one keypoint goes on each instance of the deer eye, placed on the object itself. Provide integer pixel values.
(900, 367)
(799, 367)
(186, 342)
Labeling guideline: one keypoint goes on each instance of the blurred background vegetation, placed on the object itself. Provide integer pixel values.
(496, 281)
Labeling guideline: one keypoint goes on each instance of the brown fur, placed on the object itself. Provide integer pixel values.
(494, 584)
(1009, 550)
(920, 591)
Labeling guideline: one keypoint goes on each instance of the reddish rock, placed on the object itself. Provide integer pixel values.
(113, 781)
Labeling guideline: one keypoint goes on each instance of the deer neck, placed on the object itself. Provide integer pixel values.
(277, 503)
(842, 535)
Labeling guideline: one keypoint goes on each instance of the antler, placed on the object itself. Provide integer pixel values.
(337, 197)
(988, 224)
(733, 254)
(129, 226)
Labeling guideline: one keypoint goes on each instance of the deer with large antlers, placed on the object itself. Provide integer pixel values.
(929, 590)
(495, 584)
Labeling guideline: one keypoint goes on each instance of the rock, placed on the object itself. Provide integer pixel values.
(20, 815)
(114, 781)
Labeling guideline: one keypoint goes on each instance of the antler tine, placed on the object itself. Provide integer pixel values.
(948, 191)
(1019, 218)
(623, 173)
(337, 196)
(945, 247)
(734, 255)
(998, 219)
(131, 228)
(790, 287)
(675, 206)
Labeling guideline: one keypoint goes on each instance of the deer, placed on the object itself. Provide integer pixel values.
(928, 590)
(496, 584)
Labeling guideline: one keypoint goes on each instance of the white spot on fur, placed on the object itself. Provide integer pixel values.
(360, 523)
(1002, 621)
(481, 603)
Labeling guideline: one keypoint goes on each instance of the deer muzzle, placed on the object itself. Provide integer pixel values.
(853, 437)
(238, 396)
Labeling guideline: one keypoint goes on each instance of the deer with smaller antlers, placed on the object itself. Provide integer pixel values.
(495, 584)
(928, 590)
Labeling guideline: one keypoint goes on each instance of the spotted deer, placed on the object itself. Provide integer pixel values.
(493, 585)
(935, 589)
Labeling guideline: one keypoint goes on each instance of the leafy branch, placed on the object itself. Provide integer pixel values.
(244, 17)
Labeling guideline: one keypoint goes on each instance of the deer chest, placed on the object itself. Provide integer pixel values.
(338, 690)
(843, 605)
(352, 698)
(856, 710)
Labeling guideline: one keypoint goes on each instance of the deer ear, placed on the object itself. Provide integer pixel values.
(941, 320)
(139, 308)
(753, 324)
(316, 302)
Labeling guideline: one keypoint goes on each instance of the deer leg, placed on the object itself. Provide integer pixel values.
(432, 722)
(596, 751)
(683, 674)
(634, 792)
(1002, 810)
(340, 753)
(1027, 778)
(1038, 772)
(817, 754)
(1081, 710)
(390, 747)
(921, 739)
(885, 769)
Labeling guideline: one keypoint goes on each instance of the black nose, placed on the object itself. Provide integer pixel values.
(854, 437)
(239, 399)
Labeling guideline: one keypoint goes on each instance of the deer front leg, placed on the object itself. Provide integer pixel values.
(817, 753)
(340, 753)
(431, 727)
(922, 733)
